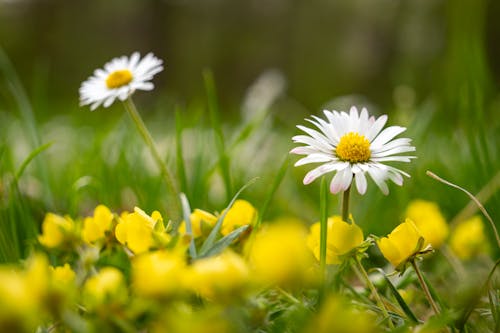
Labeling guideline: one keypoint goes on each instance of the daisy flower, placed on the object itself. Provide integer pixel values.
(119, 79)
(353, 145)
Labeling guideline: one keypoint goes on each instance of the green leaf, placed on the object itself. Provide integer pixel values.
(186, 211)
(224, 242)
(209, 242)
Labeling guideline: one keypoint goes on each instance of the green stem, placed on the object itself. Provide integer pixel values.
(425, 288)
(361, 271)
(323, 206)
(345, 204)
(173, 201)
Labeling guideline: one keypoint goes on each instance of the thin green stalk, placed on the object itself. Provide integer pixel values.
(473, 198)
(425, 288)
(345, 204)
(362, 272)
(323, 206)
(173, 201)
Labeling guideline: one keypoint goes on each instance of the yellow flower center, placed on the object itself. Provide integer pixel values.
(353, 148)
(118, 78)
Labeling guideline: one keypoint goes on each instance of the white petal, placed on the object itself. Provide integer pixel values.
(393, 151)
(321, 170)
(379, 177)
(361, 182)
(376, 127)
(386, 135)
(314, 158)
(406, 159)
(340, 180)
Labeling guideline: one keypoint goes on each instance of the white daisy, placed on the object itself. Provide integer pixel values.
(352, 145)
(119, 79)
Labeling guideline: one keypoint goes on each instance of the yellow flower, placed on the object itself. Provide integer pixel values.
(401, 244)
(241, 213)
(19, 310)
(107, 286)
(55, 230)
(468, 239)
(338, 315)
(63, 274)
(135, 230)
(95, 228)
(225, 274)
(278, 254)
(198, 218)
(342, 238)
(429, 221)
(158, 274)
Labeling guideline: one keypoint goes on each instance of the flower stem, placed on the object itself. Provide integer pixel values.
(345, 204)
(173, 201)
(323, 206)
(361, 271)
(425, 288)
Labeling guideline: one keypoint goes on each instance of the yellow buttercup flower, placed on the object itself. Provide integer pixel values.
(338, 315)
(55, 230)
(279, 255)
(198, 218)
(401, 244)
(468, 239)
(63, 274)
(213, 277)
(342, 238)
(158, 274)
(135, 230)
(429, 221)
(107, 286)
(95, 228)
(241, 213)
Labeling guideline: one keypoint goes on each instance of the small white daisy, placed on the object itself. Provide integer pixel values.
(119, 79)
(352, 145)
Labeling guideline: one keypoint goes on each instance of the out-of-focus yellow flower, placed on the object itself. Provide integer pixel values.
(63, 275)
(95, 228)
(215, 277)
(23, 294)
(135, 230)
(401, 244)
(158, 274)
(342, 238)
(18, 308)
(337, 315)
(429, 221)
(241, 213)
(198, 218)
(278, 254)
(107, 286)
(210, 319)
(468, 239)
(55, 230)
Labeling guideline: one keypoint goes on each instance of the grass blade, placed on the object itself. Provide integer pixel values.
(219, 135)
(181, 168)
(224, 242)
(406, 309)
(209, 242)
(28, 159)
(186, 211)
(278, 178)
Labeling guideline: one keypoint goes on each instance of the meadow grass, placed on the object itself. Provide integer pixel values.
(69, 164)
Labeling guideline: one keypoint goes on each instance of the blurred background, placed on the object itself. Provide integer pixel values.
(432, 66)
